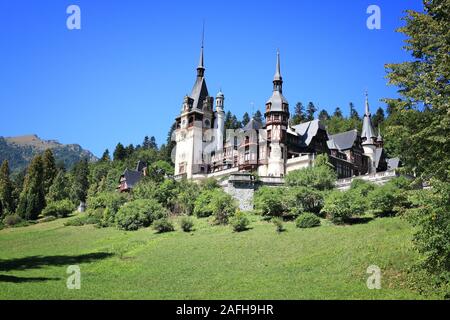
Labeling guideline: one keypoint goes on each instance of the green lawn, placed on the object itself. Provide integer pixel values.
(328, 262)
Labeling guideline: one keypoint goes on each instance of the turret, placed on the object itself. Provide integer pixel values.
(220, 113)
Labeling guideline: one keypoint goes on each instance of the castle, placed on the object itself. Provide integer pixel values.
(204, 148)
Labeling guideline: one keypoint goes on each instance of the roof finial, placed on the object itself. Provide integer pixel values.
(201, 66)
(367, 112)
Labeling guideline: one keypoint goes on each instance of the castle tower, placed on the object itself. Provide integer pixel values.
(277, 117)
(195, 119)
(220, 116)
(368, 137)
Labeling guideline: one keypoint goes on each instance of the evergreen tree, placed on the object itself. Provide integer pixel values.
(378, 118)
(310, 111)
(299, 114)
(6, 190)
(353, 113)
(146, 143)
(80, 182)
(153, 144)
(59, 190)
(32, 197)
(50, 170)
(258, 116)
(323, 115)
(419, 131)
(119, 153)
(338, 113)
(245, 119)
(105, 157)
(129, 150)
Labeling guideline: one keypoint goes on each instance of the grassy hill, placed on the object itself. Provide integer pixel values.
(20, 150)
(328, 262)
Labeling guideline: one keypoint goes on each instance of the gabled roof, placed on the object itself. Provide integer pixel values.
(132, 177)
(343, 141)
(252, 125)
(393, 163)
(378, 153)
(308, 130)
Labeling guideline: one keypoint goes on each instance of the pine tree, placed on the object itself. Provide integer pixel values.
(59, 190)
(338, 113)
(323, 115)
(378, 118)
(153, 144)
(80, 182)
(258, 116)
(299, 114)
(50, 170)
(129, 150)
(310, 111)
(353, 113)
(119, 153)
(32, 197)
(105, 156)
(146, 143)
(6, 190)
(245, 119)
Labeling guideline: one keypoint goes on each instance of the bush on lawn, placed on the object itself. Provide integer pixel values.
(139, 213)
(303, 199)
(239, 221)
(269, 202)
(59, 209)
(163, 225)
(384, 199)
(307, 220)
(12, 220)
(217, 203)
(278, 222)
(320, 177)
(337, 207)
(186, 224)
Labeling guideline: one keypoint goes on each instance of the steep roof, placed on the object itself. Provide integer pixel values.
(132, 177)
(252, 125)
(343, 140)
(368, 132)
(308, 130)
(393, 163)
(277, 100)
(199, 92)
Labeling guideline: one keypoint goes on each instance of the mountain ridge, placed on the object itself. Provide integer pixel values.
(19, 151)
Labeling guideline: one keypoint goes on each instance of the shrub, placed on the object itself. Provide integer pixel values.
(239, 221)
(430, 214)
(215, 202)
(111, 200)
(184, 202)
(337, 207)
(303, 199)
(383, 200)
(163, 225)
(12, 220)
(278, 222)
(139, 213)
(186, 224)
(59, 209)
(307, 220)
(269, 202)
(320, 177)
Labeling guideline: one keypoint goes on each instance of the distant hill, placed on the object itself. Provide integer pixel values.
(20, 150)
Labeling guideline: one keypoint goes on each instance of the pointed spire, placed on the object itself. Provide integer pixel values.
(277, 76)
(379, 138)
(201, 65)
(366, 111)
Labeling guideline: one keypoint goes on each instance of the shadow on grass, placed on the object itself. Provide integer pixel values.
(36, 262)
(358, 220)
(14, 279)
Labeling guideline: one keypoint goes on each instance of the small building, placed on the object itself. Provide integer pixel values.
(130, 178)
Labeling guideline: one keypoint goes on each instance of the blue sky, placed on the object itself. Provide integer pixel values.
(125, 73)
